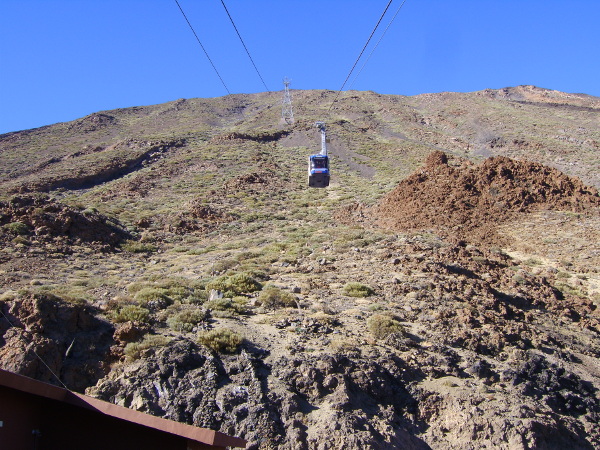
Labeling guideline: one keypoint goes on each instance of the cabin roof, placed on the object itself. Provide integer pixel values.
(41, 389)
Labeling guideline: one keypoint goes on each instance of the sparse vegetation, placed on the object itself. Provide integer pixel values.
(138, 247)
(355, 289)
(272, 297)
(18, 228)
(567, 289)
(344, 311)
(186, 319)
(222, 340)
(154, 298)
(382, 325)
(227, 307)
(239, 283)
(133, 313)
(134, 350)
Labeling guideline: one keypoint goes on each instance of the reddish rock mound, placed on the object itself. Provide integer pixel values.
(471, 200)
(39, 220)
(198, 217)
(253, 182)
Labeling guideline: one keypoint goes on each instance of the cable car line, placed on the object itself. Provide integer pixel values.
(246, 48)
(362, 51)
(376, 45)
(202, 46)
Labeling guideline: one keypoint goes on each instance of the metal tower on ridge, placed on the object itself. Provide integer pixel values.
(286, 111)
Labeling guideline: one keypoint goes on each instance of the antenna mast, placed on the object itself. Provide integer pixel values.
(286, 111)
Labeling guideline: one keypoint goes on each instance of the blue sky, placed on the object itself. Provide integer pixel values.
(64, 59)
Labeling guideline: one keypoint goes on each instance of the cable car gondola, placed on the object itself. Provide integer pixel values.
(318, 165)
(318, 171)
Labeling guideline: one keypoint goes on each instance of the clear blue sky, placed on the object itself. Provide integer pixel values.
(64, 59)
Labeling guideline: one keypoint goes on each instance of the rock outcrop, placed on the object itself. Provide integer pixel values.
(46, 338)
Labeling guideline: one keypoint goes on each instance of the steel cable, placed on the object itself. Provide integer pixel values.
(360, 55)
(376, 45)
(202, 46)
(246, 48)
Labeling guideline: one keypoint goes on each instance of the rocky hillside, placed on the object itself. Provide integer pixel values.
(443, 292)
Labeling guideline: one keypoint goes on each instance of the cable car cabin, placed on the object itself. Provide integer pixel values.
(318, 171)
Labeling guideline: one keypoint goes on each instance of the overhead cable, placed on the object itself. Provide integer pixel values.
(202, 46)
(362, 51)
(246, 48)
(372, 51)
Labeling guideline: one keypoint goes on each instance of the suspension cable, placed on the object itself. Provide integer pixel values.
(246, 48)
(362, 51)
(376, 45)
(202, 46)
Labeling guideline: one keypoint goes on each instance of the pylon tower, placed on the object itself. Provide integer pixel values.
(286, 111)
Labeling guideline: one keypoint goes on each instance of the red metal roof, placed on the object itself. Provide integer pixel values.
(39, 388)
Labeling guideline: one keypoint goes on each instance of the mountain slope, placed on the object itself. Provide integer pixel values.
(371, 314)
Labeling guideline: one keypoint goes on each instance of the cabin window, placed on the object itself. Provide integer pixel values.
(320, 163)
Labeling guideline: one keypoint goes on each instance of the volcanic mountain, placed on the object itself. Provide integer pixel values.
(442, 292)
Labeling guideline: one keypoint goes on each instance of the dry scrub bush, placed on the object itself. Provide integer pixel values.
(343, 345)
(9, 296)
(138, 247)
(382, 325)
(134, 350)
(222, 340)
(184, 291)
(130, 313)
(186, 319)
(154, 298)
(354, 289)
(239, 283)
(18, 228)
(272, 297)
(325, 318)
(227, 307)
(20, 240)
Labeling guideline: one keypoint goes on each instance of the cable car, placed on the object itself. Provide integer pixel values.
(318, 165)
(318, 171)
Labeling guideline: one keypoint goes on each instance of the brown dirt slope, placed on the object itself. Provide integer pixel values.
(38, 220)
(468, 199)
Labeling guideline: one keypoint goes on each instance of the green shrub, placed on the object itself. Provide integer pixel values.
(222, 265)
(532, 262)
(138, 247)
(20, 240)
(354, 289)
(89, 211)
(243, 283)
(376, 307)
(240, 283)
(8, 296)
(222, 340)
(271, 297)
(382, 325)
(18, 228)
(131, 313)
(226, 307)
(154, 297)
(567, 289)
(175, 289)
(186, 319)
(177, 292)
(134, 350)
(325, 318)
